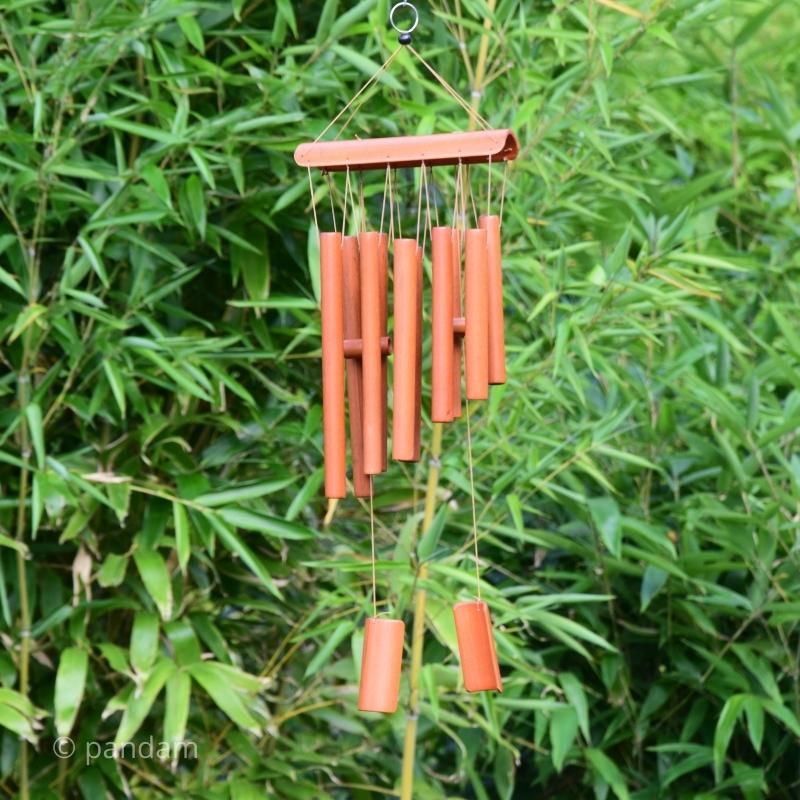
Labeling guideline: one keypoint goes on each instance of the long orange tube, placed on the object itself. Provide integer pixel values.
(476, 647)
(369, 246)
(497, 342)
(457, 340)
(405, 348)
(333, 435)
(418, 361)
(381, 661)
(352, 330)
(442, 325)
(476, 338)
(384, 271)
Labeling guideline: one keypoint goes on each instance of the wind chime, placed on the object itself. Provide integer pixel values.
(354, 281)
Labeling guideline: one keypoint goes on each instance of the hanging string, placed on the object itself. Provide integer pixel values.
(472, 499)
(427, 210)
(476, 117)
(313, 201)
(472, 198)
(352, 100)
(346, 193)
(385, 192)
(372, 541)
(362, 206)
(503, 191)
(457, 195)
(391, 207)
(489, 189)
(329, 179)
(419, 200)
(399, 215)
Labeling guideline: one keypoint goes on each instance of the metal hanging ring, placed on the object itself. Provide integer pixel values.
(404, 4)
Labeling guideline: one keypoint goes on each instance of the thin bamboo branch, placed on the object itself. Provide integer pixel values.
(418, 633)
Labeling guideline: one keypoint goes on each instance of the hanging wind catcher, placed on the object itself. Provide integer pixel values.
(465, 326)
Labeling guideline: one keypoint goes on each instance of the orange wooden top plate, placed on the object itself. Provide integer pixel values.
(438, 149)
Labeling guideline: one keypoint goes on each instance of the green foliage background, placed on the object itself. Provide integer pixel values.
(638, 478)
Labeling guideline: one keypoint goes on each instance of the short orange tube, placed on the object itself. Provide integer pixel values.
(405, 348)
(352, 330)
(371, 360)
(331, 296)
(476, 647)
(457, 338)
(384, 270)
(418, 360)
(442, 325)
(476, 337)
(494, 259)
(381, 661)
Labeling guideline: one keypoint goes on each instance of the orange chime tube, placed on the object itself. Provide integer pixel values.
(457, 313)
(381, 661)
(371, 359)
(476, 647)
(442, 325)
(333, 435)
(477, 315)
(384, 273)
(352, 331)
(418, 361)
(406, 334)
(497, 347)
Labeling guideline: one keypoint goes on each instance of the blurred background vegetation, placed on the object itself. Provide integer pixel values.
(165, 572)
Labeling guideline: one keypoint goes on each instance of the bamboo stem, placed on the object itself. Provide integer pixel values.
(418, 633)
(23, 395)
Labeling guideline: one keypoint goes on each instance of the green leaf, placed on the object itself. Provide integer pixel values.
(574, 692)
(93, 257)
(230, 539)
(271, 526)
(606, 516)
(176, 708)
(216, 682)
(724, 731)
(183, 545)
(430, 538)
(155, 577)
(112, 573)
(563, 729)
(192, 31)
(237, 494)
(253, 263)
(608, 771)
(33, 415)
(139, 704)
(324, 653)
(114, 378)
(70, 683)
(194, 204)
(25, 319)
(754, 712)
(144, 641)
(365, 65)
(652, 582)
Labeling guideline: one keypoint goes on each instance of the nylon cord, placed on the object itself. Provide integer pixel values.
(329, 179)
(352, 100)
(313, 201)
(472, 499)
(372, 540)
(451, 91)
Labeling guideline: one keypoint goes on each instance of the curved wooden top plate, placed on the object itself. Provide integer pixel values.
(475, 147)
